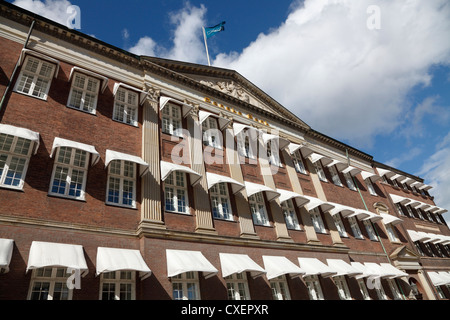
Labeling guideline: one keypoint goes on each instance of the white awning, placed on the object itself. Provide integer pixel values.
(282, 143)
(314, 157)
(368, 175)
(439, 278)
(385, 172)
(181, 261)
(186, 107)
(417, 184)
(315, 202)
(384, 270)
(253, 188)
(390, 269)
(418, 235)
(167, 168)
(339, 208)
(286, 195)
(313, 266)
(36, 54)
(213, 178)
(239, 127)
(388, 218)
(278, 266)
(21, 133)
(339, 164)
(365, 272)
(223, 122)
(425, 187)
(114, 155)
(142, 94)
(370, 216)
(399, 199)
(407, 181)
(60, 142)
(237, 263)
(92, 74)
(360, 214)
(51, 254)
(397, 177)
(343, 268)
(6, 249)
(292, 147)
(115, 259)
(351, 170)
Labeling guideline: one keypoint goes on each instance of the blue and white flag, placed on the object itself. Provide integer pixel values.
(210, 31)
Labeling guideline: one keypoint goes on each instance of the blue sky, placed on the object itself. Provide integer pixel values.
(383, 90)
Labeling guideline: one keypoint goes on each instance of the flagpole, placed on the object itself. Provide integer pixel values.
(206, 46)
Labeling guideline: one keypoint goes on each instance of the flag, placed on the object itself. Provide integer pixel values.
(210, 31)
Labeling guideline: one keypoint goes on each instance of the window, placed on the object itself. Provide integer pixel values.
(185, 286)
(273, 155)
(258, 209)
(49, 284)
(339, 225)
(419, 249)
(370, 187)
(341, 284)
(279, 288)
(15, 154)
(245, 148)
(335, 176)
(121, 189)
(349, 180)
(370, 231)
(355, 228)
(289, 215)
(171, 120)
(319, 171)
(237, 286)
(317, 221)
(363, 289)
(399, 209)
(176, 199)
(380, 292)
(220, 201)
(419, 213)
(391, 233)
(440, 292)
(411, 214)
(211, 133)
(69, 173)
(84, 92)
(430, 251)
(117, 285)
(394, 289)
(298, 162)
(35, 77)
(314, 289)
(126, 107)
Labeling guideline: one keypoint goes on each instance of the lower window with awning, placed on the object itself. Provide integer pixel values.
(6, 249)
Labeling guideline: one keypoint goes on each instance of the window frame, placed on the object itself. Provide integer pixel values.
(35, 77)
(117, 281)
(317, 221)
(320, 171)
(52, 280)
(289, 212)
(354, 226)
(210, 125)
(370, 230)
(122, 178)
(298, 162)
(258, 200)
(370, 187)
(335, 176)
(392, 235)
(279, 285)
(84, 92)
(215, 191)
(314, 288)
(343, 290)
(340, 225)
(127, 107)
(176, 188)
(233, 282)
(184, 280)
(349, 180)
(174, 120)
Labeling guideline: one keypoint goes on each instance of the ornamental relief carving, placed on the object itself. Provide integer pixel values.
(230, 88)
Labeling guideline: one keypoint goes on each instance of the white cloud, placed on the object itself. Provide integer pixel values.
(55, 10)
(343, 79)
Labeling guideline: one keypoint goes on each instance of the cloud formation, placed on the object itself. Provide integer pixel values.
(55, 10)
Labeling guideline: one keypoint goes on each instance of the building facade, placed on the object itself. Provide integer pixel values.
(133, 177)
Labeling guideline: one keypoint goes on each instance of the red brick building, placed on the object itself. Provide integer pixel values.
(132, 177)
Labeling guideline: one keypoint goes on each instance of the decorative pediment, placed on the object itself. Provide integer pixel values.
(405, 258)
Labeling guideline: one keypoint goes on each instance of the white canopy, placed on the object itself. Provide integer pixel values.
(181, 261)
(339, 208)
(286, 195)
(142, 94)
(365, 272)
(60, 142)
(292, 147)
(239, 127)
(339, 164)
(439, 278)
(385, 172)
(278, 266)
(369, 175)
(167, 168)
(21, 133)
(390, 269)
(388, 218)
(186, 107)
(314, 157)
(425, 187)
(384, 270)
(213, 178)
(92, 74)
(6, 249)
(115, 259)
(418, 235)
(237, 263)
(253, 188)
(371, 216)
(315, 202)
(223, 122)
(36, 54)
(114, 155)
(351, 170)
(50, 254)
(282, 143)
(343, 268)
(313, 266)
(399, 199)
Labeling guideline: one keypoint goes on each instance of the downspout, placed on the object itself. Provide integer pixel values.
(8, 87)
(373, 226)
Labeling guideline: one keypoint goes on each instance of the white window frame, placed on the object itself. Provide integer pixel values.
(237, 286)
(430, 251)
(370, 230)
(320, 172)
(35, 77)
(84, 92)
(410, 212)
(355, 228)
(343, 291)
(184, 282)
(370, 187)
(258, 209)
(419, 249)
(220, 200)
(126, 107)
(71, 167)
(380, 292)
(335, 176)
(280, 288)
(394, 289)
(54, 279)
(340, 225)
(363, 289)
(290, 216)
(314, 288)
(177, 182)
(13, 158)
(244, 146)
(317, 221)
(391, 233)
(126, 175)
(349, 180)
(399, 209)
(116, 279)
(299, 165)
(419, 213)
(172, 120)
(211, 134)
(273, 156)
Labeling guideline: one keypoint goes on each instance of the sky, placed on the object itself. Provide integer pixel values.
(374, 74)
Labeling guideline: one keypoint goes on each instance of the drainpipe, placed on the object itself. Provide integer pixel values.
(8, 87)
